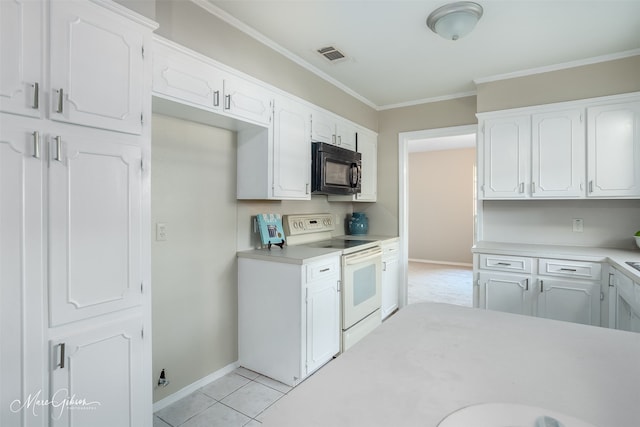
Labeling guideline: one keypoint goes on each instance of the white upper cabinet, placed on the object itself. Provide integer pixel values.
(614, 150)
(552, 152)
(246, 100)
(557, 149)
(328, 128)
(291, 150)
(95, 226)
(506, 156)
(182, 76)
(97, 70)
(368, 147)
(21, 71)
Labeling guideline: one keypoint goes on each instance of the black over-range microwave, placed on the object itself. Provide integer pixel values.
(335, 170)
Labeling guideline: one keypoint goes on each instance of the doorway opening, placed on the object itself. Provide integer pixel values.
(437, 214)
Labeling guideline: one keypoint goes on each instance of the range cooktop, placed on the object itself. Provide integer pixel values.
(339, 243)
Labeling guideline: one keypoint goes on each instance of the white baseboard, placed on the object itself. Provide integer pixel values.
(185, 391)
(429, 261)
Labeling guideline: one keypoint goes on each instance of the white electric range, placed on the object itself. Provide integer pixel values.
(361, 271)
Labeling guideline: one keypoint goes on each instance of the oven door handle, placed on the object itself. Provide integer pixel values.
(364, 256)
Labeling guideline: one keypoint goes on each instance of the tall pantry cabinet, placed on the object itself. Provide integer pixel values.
(74, 214)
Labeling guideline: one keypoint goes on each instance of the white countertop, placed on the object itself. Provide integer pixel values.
(430, 360)
(615, 257)
(300, 254)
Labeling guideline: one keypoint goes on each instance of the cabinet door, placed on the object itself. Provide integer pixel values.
(368, 147)
(21, 275)
(246, 100)
(323, 322)
(95, 226)
(506, 157)
(101, 370)
(291, 150)
(505, 292)
(96, 67)
(180, 76)
(346, 135)
(571, 301)
(614, 150)
(323, 128)
(21, 57)
(558, 154)
(390, 285)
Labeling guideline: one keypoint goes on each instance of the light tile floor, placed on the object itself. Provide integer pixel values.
(235, 400)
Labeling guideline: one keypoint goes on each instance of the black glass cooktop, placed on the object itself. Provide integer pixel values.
(339, 243)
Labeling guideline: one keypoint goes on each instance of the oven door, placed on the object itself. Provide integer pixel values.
(361, 285)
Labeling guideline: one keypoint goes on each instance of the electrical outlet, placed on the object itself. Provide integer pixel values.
(161, 231)
(578, 225)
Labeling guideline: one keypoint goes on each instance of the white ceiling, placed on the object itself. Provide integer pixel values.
(394, 59)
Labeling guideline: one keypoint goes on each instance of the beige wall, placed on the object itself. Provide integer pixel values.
(194, 306)
(588, 81)
(441, 205)
(383, 215)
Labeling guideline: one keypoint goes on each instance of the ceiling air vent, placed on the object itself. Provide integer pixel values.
(332, 54)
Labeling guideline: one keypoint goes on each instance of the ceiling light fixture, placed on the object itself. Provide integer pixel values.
(455, 20)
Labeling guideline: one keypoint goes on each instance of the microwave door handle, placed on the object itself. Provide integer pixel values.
(353, 176)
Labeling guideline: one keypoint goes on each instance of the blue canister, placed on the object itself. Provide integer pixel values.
(359, 223)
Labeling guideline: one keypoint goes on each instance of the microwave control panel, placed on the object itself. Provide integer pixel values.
(303, 224)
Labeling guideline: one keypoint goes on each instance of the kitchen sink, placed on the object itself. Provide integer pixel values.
(635, 265)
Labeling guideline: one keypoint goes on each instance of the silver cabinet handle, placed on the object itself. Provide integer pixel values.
(541, 286)
(36, 144)
(333, 139)
(306, 188)
(60, 101)
(62, 357)
(58, 153)
(339, 140)
(216, 98)
(568, 269)
(503, 263)
(521, 190)
(533, 187)
(591, 186)
(227, 102)
(526, 284)
(36, 96)
(610, 280)
(325, 270)
(384, 265)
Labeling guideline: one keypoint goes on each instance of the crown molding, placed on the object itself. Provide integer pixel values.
(428, 100)
(558, 67)
(251, 32)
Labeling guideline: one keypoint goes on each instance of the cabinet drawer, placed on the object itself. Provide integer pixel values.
(323, 269)
(575, 269)
(505, 263)
(390, 250)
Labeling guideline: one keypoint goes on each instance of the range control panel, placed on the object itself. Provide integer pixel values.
(295, 225)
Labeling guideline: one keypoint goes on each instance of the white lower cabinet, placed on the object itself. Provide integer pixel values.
(390, 276)
(569, 300)
(624, 302)
(288, 316)
(554, 289)
(101, 371)
(505, 292)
